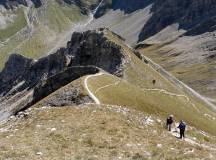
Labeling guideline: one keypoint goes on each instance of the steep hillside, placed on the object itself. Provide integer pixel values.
(98, 132)
(123, 79)
(96, 97)
(32, 80)
(34, 30)
(112, 105)
(181, 36)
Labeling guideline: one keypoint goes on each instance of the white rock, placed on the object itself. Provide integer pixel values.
(149, 121)
(129, 145)
(39, 153)
(159, 145)
(53, 129)
(154, 131)
(12, 117)
(38, 126)
(158, 120)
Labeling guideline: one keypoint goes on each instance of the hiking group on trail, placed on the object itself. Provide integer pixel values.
(181, 126)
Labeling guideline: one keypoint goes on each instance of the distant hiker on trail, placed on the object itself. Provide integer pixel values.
(153, 81)
(169, 122)
(182, 127)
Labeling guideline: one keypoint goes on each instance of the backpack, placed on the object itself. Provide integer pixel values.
(182, 125)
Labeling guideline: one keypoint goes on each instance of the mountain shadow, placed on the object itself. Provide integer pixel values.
(196, 17)
(127, 6)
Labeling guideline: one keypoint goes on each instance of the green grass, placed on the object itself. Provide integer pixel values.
(139, 73)
(154, 102)
(73, 13)
(60, 17)
(37, 45)
(131, 91)
(53, 22)
(14, 27)
(9, 47)
(197, 75)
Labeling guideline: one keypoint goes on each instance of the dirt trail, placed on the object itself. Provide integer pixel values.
(144, 89)
(97, 101)
(190, 140)
(179, 83)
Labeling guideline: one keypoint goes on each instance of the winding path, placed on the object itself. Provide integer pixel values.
(97, 101)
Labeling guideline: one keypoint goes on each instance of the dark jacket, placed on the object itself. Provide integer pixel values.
(182, 126)
(169, 120)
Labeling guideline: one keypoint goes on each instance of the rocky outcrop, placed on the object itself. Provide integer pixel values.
(85, 53)
(46, 87)
(92, 48)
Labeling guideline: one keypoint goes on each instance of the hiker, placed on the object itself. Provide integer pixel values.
(169, 122)
(153, 81)
(182, 127)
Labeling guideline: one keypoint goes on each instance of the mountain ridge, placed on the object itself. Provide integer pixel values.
(178, 35)
(106, 91)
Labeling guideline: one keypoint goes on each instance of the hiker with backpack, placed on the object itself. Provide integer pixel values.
(169, 122)
(182, 127)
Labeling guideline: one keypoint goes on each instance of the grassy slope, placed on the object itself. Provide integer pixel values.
(54, 21)
(15, 26)
(94, 132)
(132, 92)
(159, 103)
(195, 75)
(112, 132)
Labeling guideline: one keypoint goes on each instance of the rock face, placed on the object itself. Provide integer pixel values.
(195, 16)
(51, 84)
(92, 48)
(24, 81)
